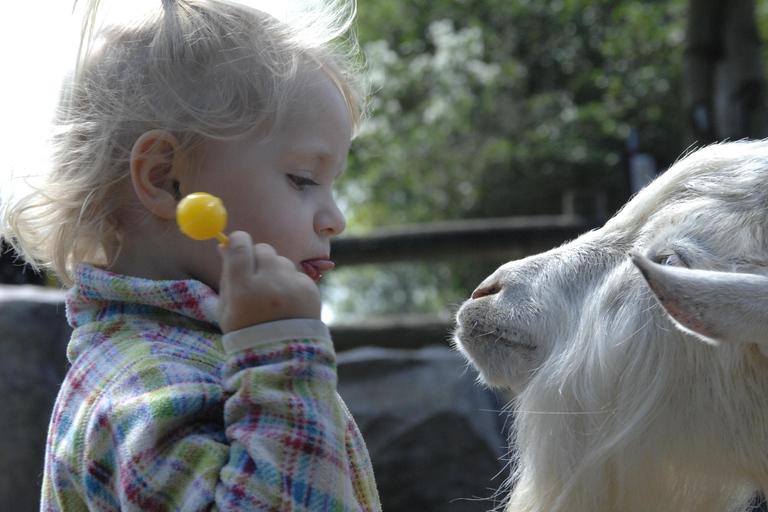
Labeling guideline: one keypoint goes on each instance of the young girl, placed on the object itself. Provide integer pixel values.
(201, 379)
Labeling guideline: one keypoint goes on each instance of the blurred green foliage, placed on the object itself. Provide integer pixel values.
(493, 108)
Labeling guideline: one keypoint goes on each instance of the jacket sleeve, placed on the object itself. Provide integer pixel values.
(293, 445)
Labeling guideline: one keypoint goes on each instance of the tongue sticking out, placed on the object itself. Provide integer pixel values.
(316, 268)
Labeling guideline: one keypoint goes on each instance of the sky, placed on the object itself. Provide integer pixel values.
(33, 50)
(38, 45)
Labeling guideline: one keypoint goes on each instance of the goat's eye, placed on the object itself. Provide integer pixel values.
(672, 260)
(669, 260)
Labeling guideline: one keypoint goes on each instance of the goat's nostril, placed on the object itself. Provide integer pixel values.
(486, 289)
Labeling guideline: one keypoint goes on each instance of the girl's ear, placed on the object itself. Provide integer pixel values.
(157, 166)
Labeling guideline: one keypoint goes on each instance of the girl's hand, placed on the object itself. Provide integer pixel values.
(258, 286)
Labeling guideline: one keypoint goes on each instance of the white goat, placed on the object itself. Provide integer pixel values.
(616, 408)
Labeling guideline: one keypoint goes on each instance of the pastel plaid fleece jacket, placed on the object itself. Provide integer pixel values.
(160, 412)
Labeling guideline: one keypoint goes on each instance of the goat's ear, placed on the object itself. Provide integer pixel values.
(715, 306)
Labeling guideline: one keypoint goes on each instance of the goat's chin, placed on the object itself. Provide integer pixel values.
(502, 363)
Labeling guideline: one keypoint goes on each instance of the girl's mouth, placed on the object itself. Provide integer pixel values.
(315, 268)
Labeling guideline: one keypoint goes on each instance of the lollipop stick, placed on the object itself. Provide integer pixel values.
(222, 238)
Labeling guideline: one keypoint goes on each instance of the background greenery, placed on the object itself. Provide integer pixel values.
(493, 108)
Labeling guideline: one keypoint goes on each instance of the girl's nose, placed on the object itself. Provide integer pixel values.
(329, 220)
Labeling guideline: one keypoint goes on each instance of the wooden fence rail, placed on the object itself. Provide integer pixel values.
(461, 239)
(507, 238)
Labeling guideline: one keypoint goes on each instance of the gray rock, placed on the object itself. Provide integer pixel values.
(435, 437)
(33, 339)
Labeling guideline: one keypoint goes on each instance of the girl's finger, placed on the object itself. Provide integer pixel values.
(267, 259)
(238, 257)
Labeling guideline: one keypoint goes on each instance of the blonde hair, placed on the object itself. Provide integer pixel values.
(200, 69)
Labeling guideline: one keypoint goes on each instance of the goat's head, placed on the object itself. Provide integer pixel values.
(598, 366)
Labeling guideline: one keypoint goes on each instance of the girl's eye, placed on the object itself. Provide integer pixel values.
(300, 182)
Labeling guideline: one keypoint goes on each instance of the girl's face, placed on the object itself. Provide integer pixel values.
(279, 188)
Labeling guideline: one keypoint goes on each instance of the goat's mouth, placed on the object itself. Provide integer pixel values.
(477, 333)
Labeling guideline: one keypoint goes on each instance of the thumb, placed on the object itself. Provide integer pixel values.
(237, 256)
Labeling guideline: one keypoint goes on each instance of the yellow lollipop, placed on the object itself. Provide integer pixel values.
(201, 216)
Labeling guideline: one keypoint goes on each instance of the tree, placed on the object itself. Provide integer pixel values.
(490, 108)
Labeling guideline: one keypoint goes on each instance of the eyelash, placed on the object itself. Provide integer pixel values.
(300, 182)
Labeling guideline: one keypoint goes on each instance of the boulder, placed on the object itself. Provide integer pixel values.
(435, 436)
(33, 339)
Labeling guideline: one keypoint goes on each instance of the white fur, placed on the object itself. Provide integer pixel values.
(616, 408)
